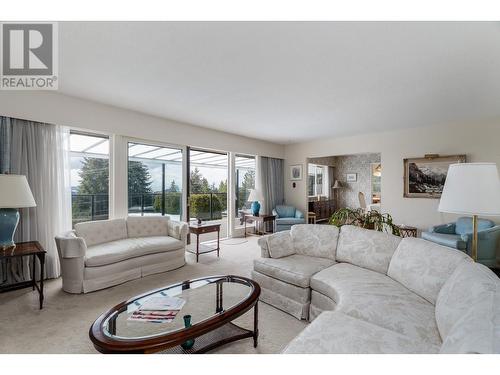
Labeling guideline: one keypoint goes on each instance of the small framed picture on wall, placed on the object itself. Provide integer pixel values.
(296, 172)
(351, 177)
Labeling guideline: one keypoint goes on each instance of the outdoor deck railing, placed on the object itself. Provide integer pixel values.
(207, 206)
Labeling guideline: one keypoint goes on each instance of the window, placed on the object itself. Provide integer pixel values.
(89, 155)
(317, 180)
(154, 180)
(245, 180)
(208, 187)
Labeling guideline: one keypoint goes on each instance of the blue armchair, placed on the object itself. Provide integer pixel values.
(459, 236)
(286, 216)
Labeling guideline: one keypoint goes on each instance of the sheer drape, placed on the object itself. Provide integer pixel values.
(41, 153)
(271, 182)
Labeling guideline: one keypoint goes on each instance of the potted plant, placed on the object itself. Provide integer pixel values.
(365, 219)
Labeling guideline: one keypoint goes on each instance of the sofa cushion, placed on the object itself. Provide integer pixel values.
(423, 266)
(285, 211)
(366, 248)
(376, 298)
(295, 269)
(315, 240)
(290, 221)
(335, 332)
(450, 240)
(138, 226)
(464, 225)
(117, 251)
(465, 310)
(96, 232)
(279, 244)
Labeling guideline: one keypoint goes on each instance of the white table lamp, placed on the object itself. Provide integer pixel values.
(472, 189)
(255, 197)
(14, 193)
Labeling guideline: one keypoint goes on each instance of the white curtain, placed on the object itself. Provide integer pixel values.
(41, 152)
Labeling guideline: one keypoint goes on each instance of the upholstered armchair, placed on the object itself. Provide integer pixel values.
(286, 216)
(458, 235)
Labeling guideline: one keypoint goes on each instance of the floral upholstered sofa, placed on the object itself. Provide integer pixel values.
(370, 292)
(100, 254)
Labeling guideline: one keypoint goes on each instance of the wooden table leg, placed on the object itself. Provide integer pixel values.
(33, 274)
(42, 275)
(197, 247)
(255, 324)
(218, 244)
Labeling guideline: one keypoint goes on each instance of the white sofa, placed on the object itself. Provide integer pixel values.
(100, 254)
(371, 292)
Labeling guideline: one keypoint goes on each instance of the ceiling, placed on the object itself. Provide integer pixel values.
(287, 82)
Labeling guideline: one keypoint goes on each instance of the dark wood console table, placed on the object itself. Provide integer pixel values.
(200, 229)
(35, 250)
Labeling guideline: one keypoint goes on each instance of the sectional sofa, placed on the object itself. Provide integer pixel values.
(370, 292)
(100, 254)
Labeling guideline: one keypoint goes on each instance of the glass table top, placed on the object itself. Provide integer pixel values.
(202, 299)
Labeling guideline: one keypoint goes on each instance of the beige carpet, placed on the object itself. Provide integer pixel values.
(62, 326)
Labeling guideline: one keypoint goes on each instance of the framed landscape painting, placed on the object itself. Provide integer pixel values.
(425, 177)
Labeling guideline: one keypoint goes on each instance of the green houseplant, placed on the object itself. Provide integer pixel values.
(364, 219)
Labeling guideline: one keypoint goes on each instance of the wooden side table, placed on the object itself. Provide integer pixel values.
(200, 229)
(35, 250)
(311, 218)
(260, 221)
(407, 231)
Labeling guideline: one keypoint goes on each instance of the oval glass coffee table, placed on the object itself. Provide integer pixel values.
(212, 303)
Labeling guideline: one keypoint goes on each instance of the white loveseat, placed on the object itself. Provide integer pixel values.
(371, 292)
(100, 254)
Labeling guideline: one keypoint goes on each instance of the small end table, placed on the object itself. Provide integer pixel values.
(260, 221)
(35, 250)
(407, 231)
(311, 218)
(200, 229)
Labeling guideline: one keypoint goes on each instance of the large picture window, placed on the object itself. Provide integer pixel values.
(245, 180)
(154, 180)
(89, 155)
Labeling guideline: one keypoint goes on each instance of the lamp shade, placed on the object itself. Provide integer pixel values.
(336, 185)
(255, 196)
(15, 192)
(471, 189)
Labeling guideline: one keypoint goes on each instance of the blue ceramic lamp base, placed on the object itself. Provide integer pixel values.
(255, 207)
(9, 218)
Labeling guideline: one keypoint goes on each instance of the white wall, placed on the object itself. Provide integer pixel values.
(480, 142)
(69, 111)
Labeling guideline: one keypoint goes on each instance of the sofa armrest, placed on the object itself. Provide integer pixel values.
(178, 229)
(299, 214)
(70, 246)
(264, 249)
(448, 228)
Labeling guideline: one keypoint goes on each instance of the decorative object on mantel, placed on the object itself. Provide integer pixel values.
(472, 189)
(425, 177)
(15, 193)
(368, 220)
(296, 172)
(351, 177)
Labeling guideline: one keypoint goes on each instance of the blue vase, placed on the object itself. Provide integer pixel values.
(9, 218)
(255, 208)
(187, 323)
